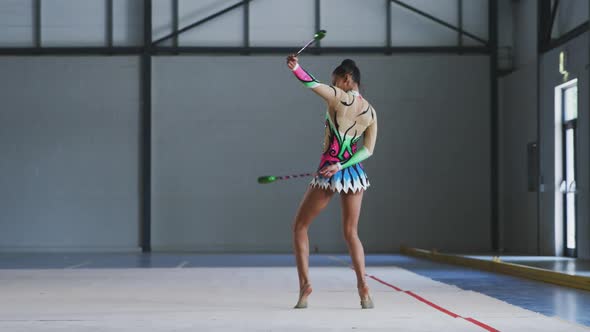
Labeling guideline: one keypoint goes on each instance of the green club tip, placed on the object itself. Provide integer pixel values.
(320, 34)
(267, 179)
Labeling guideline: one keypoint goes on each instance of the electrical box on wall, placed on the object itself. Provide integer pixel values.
(533, 167)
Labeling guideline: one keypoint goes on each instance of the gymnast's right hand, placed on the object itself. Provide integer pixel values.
(292, 61)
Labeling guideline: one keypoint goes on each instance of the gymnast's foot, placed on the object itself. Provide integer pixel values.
(303, 294)
(366, 301)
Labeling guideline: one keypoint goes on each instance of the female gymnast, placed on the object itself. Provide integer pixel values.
(348, 118)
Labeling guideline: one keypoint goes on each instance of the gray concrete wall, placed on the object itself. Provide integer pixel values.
(524, 15)
(220, 122)
(518, 126)
(69, 147)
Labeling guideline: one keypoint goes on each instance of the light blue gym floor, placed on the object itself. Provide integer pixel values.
(550, 300)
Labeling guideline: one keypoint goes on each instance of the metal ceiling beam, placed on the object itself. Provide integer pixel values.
(246, 29)
(388, 24)
(576, 32)
(552, 21)
(145, 152)
(167, 50)
(496, 240)
(37, 23)
(71, 50)
(175, 19)
(109, 23)
(543, 19)
(317, 20)
(460, 15)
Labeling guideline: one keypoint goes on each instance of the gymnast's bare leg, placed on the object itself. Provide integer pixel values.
(313, 202)
(351, 210)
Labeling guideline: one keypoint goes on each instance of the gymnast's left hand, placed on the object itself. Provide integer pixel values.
(292, 61)
(329, 170)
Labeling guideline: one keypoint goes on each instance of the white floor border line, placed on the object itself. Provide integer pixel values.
(182, 265)
(78, 265)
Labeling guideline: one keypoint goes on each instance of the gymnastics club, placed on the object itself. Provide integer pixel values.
(271, 179)
(318, 35)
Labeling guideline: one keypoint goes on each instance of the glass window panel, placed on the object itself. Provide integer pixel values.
(282, 22)
(571, 103)
(73, 23)
(354, 23)
(224, 30)
(571, 221)
(411, 29)
(570, 197)
(16, 23)
(162, 20)
(569, 156)
(127, 22)
(475, 21)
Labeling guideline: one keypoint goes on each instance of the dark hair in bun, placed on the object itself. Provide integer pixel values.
(348, 67)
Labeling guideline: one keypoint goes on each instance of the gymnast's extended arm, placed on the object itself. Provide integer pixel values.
(327, 92)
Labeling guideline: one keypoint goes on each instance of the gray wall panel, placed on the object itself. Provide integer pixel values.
(69, 142)
(219, 122)
(518, 127)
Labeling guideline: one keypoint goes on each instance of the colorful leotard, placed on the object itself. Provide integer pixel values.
(349, 117)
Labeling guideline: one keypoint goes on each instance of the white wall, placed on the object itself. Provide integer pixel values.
(220, 122)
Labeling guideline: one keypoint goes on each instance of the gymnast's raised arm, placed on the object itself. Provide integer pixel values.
(327, 92)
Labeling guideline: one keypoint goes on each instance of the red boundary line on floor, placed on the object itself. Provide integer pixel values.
(386, 284)
(436, 306)
(433, 305)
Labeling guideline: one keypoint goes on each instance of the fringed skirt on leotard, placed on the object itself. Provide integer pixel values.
(350, 179)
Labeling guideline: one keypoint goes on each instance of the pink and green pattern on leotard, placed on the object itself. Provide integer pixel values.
(304, 77)
(342, 148)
